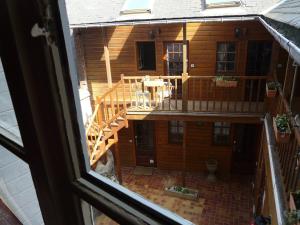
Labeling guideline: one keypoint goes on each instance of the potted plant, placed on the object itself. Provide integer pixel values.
(282, 128)
(271, 88)
(182, 192)
(292, 217)
(226, 81)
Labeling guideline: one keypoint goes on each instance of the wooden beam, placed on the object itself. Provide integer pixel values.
(118, 158)
(107, 58)
(184, 153)
(184, 74)
(184, 49)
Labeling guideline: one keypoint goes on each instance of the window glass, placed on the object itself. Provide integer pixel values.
(221, 133)
(8, 122)
(226, 54)
(175, 132)
(146, 55)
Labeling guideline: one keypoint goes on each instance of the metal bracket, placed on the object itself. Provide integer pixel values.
(46, 30)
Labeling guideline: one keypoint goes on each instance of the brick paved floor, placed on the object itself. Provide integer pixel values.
(6, 216)
(225, 202)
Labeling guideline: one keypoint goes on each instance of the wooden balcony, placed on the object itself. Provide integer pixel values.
(194, 94)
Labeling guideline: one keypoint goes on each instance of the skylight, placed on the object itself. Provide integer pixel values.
(222, 3)
(137, 6)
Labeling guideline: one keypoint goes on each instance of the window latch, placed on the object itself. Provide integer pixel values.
(46, 29)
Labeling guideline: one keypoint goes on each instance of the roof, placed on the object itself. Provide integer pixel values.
(287, 11)
(90, 13)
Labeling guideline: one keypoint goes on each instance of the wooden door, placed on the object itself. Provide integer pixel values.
(144, 141)
(174, 62)
(258, 64)
(246, 144)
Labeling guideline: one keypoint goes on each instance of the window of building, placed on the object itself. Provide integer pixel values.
(226, 55)
(221, 133)
(222, 3)
(146, 55)
(175, 132)
(137, 6)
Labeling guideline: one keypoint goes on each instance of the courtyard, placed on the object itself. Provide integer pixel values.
(224, 202)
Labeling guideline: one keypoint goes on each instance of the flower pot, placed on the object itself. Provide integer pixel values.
(226, 83)
(192, 195)
(281, 137)
(212, 166)
(270, 93)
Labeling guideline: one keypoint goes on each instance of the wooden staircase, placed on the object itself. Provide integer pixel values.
(108, 118)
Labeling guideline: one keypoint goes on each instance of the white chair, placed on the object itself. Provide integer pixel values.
(143, 99)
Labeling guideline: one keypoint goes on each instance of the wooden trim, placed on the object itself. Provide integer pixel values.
(184, 146)
(137, 54)
(184, 50)
(107, 58)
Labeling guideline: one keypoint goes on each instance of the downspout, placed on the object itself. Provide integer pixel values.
(294, 83)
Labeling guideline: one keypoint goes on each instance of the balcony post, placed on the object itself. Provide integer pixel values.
(107, 58)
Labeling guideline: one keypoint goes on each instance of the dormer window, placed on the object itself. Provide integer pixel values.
(137, 6)
(222, 3)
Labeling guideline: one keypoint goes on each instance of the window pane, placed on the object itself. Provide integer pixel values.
(220, 66)
(221, 47)
(230, 56)
(221, 56)
(231, 47)
(8, 122)
(230, 66)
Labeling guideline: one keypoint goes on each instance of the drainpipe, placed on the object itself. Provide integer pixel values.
(294, 83)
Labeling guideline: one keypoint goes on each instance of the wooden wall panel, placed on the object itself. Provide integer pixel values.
(126, 146)
(169, 156)
(202, 39)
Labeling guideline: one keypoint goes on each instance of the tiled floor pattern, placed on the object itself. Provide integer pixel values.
(225, 202)
(6, 216)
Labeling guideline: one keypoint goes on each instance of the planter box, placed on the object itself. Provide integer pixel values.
(292, 204)
(190, 196)
(282, 138)
(226, 83)
(270, 93)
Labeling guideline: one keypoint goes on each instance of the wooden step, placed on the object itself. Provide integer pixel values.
(120, 118)
(114, 124)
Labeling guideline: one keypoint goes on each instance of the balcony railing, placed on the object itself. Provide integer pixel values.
(289, 154)
(194, 94)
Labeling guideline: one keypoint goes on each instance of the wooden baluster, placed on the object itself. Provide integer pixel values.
(194, 94)
(251, 93)
(244, 92)
(258, 94)
(162, 97)
(136, 91)
(200, 94)
(176, 87)
(117, 100)
(214, 96)
(106, 114)
(112, 105)
(293, 165)
(124, 99)
(130, 93)
(207, 100)
(169, 88)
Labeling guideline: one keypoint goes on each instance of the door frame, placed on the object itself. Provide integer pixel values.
(165, 54)
(136, 147)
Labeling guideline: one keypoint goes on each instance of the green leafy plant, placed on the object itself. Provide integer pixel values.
(225, 78)
(273, 85)
(292, 217)
(282, 123)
